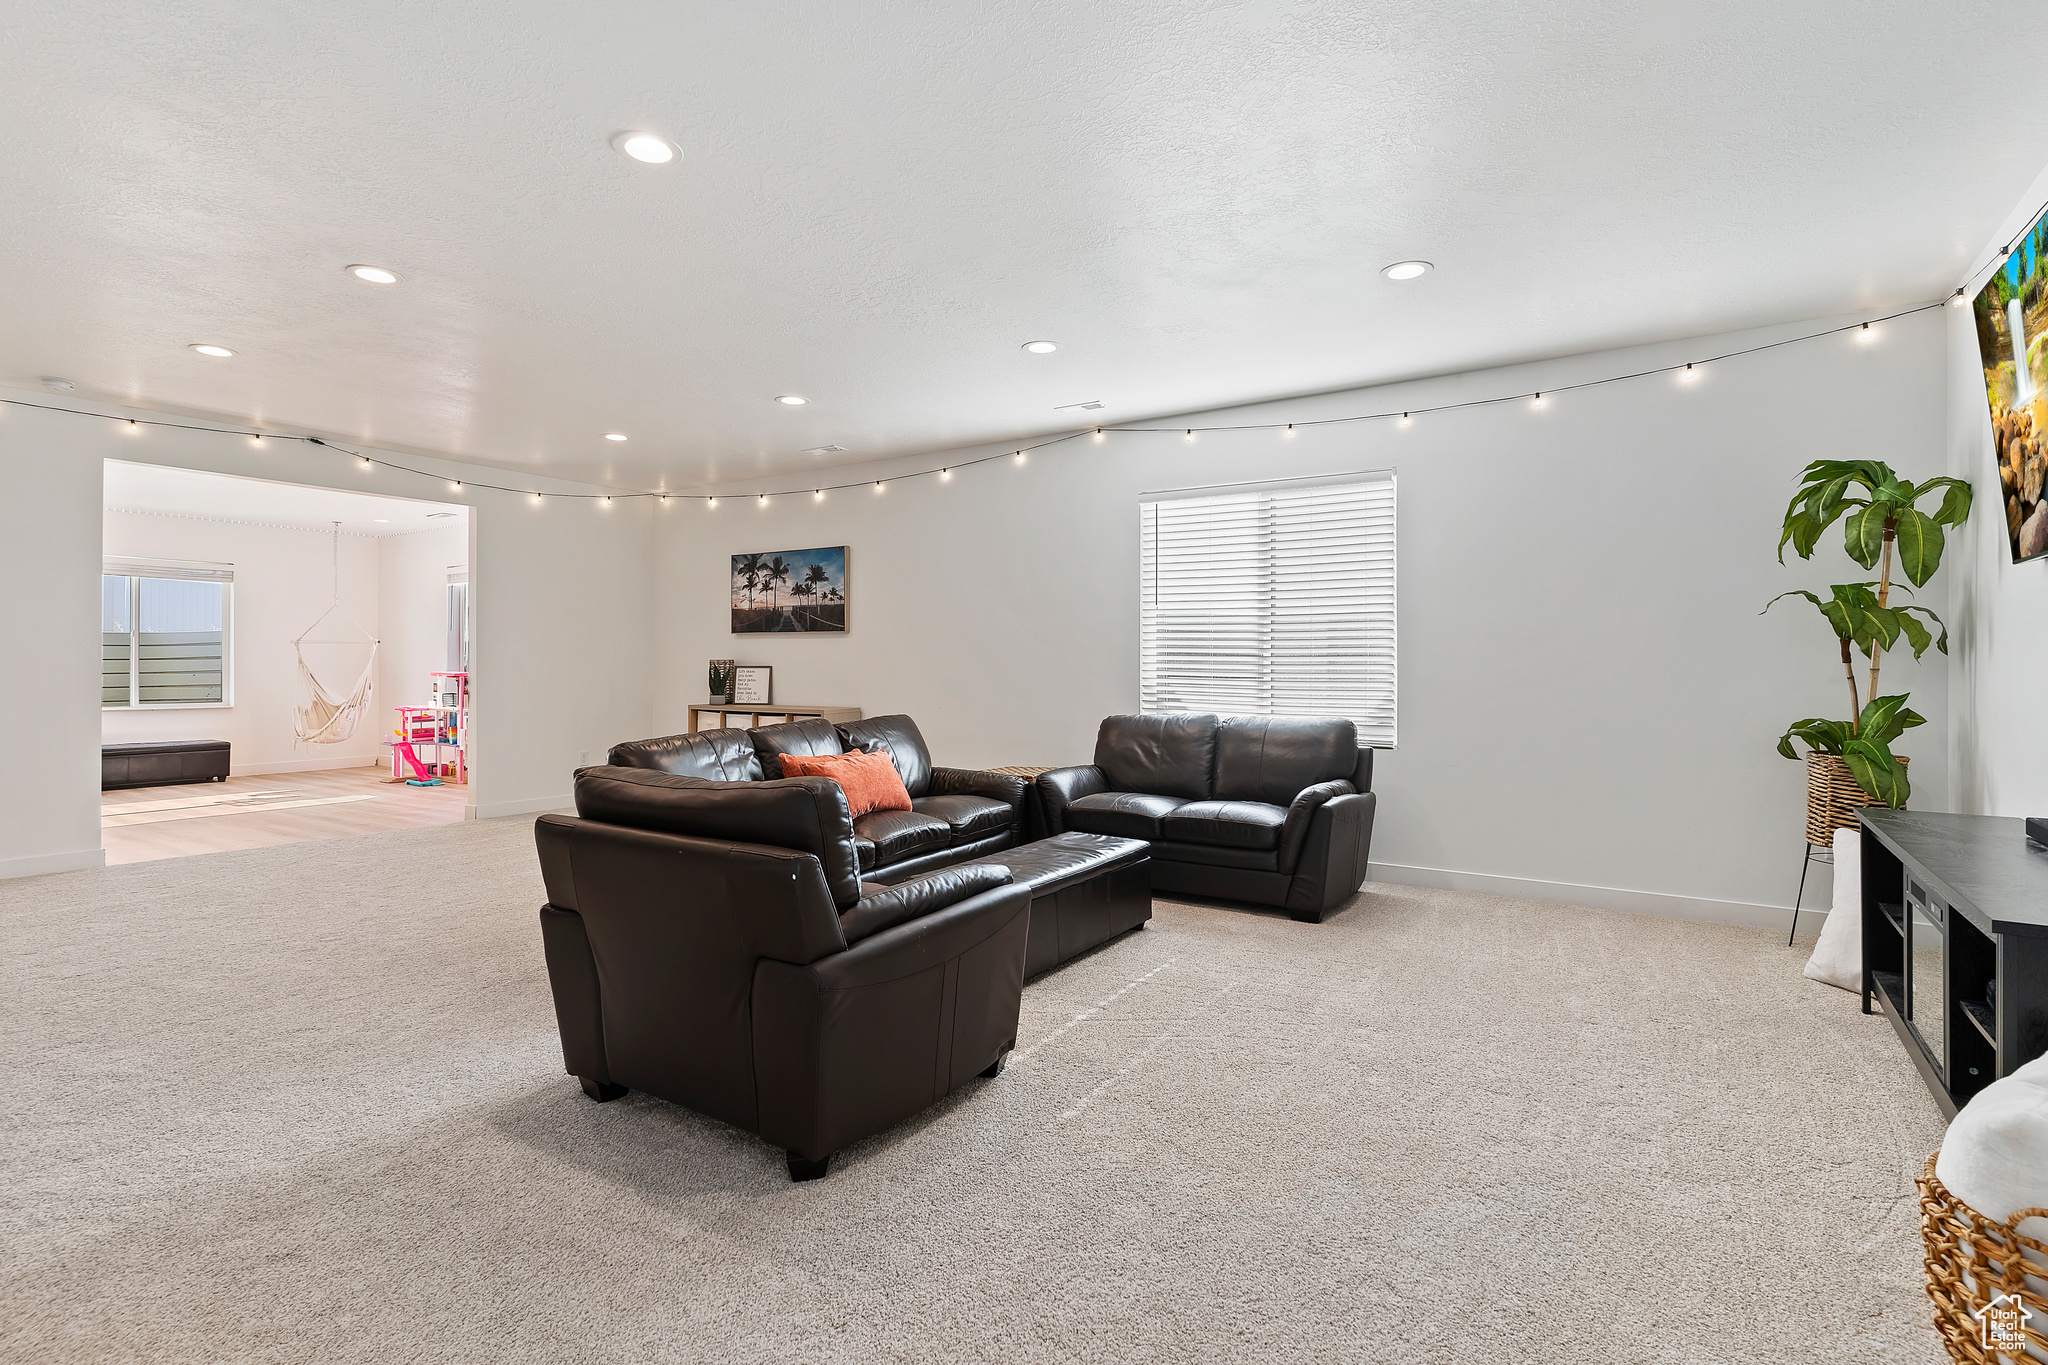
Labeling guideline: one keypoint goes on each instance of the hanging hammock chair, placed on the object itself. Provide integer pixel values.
(323, 717)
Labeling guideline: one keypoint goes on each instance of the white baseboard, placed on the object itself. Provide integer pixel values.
(532, 806)
(1600, 897)
(52, 862)
(302, 765)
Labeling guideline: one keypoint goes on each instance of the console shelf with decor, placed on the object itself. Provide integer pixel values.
(1955, 944)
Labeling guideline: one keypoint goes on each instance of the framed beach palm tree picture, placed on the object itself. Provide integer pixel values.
(789, 590)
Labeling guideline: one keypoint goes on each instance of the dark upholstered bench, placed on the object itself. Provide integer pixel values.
(1085, 890)
(163, 763)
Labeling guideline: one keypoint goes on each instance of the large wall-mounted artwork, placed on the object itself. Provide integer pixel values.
(2012, 337)
(790, 590)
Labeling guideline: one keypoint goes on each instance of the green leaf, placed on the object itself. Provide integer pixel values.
(1885, 719)
(1819, 732)
(1920, 545)
(1863, 535)
(1941, 644)
(1955, 504)
(1877, 772)
(1916, 634)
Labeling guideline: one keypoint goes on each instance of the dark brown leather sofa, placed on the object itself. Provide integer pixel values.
(1273, 811)
(956, 814)
(711, 943)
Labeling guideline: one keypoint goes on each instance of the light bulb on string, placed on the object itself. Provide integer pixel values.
(1537, 402)
(945, 474)
(1688, 374)
(711, 502)
(1958, 299)
(1289, 431)
(762, 500)
(817, 495)
(256, 438)
(607, 500)
(1406, 419)
(878, 485)
(1020, 457)
(1190, 433)
(536, 499)
(1098, 433)
(366, 462)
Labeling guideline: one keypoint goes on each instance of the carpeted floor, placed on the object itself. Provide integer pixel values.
(306, 1104)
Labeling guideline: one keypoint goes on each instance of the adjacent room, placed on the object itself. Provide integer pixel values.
(280, 663)
(1264, 681)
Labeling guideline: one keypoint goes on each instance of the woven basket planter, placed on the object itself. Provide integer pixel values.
(1833, 796)
(1972, 1260)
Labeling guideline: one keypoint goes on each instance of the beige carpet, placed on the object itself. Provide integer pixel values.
(306, 1104)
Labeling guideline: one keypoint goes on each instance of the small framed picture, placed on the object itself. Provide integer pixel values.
(753, 685)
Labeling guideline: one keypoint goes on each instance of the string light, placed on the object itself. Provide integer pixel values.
(536, 499)
(1684, 372)
(1958, 300)
(455, 485)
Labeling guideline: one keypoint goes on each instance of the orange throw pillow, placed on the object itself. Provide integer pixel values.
(869, 780)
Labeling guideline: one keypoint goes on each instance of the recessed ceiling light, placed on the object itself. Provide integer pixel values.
(614, 436)
(205, 349)
(791, 400)
(1041, 347)
(651, 148)
(382, 521)
(1406, 270)
(375, 274)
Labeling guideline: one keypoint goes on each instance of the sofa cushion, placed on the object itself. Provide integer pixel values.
(814, 738)
(1217, 855)
(1260, 758)
(900, 834)
(1226, 824)
(1171, 755)
(807, 814)
(898, 737)
(720, 755)
(870, 780)
(971, 817)
(1127, 815)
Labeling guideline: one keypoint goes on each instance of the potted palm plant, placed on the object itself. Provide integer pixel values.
(1850, 762)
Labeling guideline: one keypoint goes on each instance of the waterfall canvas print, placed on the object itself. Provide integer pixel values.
(789, 590)
(2012, 338)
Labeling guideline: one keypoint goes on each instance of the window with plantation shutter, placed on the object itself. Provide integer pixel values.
(1271, 599)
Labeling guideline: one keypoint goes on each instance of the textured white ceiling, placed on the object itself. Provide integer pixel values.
(227, 497)
(880, 202)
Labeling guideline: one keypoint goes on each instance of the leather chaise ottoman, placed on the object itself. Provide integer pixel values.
(1085, 890)
(163, 763)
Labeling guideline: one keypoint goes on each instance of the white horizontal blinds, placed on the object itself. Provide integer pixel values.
(163, 631)
(1271, 600)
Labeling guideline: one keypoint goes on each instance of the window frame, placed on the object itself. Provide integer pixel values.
(134, 569)
(1153, 616)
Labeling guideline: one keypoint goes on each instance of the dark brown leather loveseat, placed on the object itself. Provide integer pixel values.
(711, 943)
(1247, 808)
(955, 813)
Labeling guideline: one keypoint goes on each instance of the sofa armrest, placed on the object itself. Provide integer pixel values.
(918, 897)
(1062, 787)
(1335, 857)
(1001, 787)
(853, 1043)
(1294, 833)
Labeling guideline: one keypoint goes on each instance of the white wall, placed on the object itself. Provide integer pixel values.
(1589, 698)
(412, 578)
(563, 659)
(49, 619)
(1999, 609)
(283, 580)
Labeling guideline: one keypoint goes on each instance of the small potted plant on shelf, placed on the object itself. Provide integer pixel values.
(721, 682)
(1849, 763)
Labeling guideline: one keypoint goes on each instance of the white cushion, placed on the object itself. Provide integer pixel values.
(1838, 957)
(1995, 1157)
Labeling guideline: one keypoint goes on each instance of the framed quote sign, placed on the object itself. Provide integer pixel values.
(753, 685)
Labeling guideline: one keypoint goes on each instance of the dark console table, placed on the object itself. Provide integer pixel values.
(1955, 944)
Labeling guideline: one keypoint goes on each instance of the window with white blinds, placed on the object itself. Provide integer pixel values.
(1271, 599)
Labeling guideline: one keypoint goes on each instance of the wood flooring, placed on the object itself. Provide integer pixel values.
(142, 823)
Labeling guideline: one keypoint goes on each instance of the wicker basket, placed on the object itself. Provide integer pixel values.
(1832, 797)
(1970, 1261)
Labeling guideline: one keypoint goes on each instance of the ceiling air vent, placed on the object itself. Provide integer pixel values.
(1090, 406)
(826, 450)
